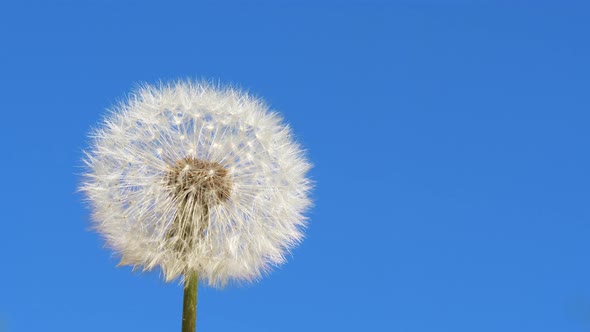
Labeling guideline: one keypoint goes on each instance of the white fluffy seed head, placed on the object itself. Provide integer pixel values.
(189, 176)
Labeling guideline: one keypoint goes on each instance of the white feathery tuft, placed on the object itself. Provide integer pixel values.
(190, 176)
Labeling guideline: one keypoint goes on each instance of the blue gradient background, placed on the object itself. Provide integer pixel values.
(450, 141)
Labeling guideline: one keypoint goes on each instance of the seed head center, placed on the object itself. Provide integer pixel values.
(204, 181)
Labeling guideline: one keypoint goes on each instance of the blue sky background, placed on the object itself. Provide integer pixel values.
(450, 141)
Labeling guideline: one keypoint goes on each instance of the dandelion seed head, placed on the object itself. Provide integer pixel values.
(190, 176)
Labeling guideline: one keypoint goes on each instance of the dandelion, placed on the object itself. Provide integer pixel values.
(201, 181)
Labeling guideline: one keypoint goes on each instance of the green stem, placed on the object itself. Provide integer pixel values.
(191, 281)
(189, 307)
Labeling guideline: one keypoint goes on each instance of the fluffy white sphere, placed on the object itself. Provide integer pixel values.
(193, 177)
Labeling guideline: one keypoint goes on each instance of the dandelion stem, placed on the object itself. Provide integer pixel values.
(191, 282)
(189, 308)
